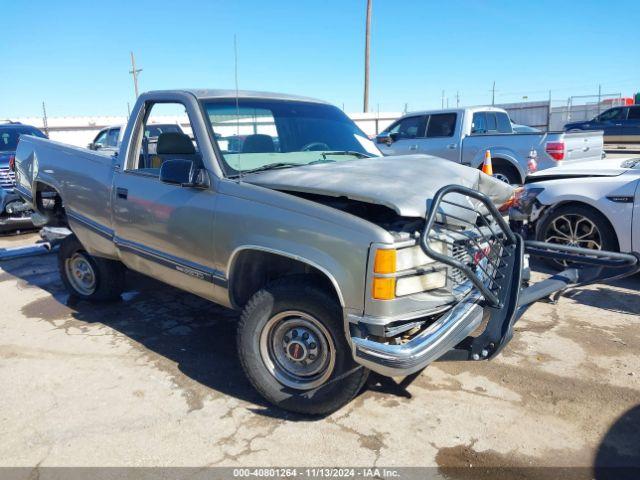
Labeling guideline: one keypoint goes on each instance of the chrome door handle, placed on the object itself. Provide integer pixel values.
(452, 146)
(413, 147)
(618, 124)
(122, 192)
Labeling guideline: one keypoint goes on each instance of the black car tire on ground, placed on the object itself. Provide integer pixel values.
(297, 296)
(77, 267)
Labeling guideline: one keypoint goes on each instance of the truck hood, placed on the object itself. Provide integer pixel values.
(599, 168)
(403, 183)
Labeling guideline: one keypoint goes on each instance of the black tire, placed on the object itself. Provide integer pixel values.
(298, 293)
(607, 237)
(507, 174)
(109, 275)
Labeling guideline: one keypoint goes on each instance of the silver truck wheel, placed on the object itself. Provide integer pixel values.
(293, 348)
(297, 350)
(88, 277)
(80, 273)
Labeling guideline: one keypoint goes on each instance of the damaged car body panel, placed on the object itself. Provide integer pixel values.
(410, 253)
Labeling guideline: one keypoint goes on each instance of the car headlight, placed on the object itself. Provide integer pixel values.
(389, 262)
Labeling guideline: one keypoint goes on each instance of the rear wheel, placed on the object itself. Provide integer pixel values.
(292, 346)
(87, 277)
(507, 174)
(577, 226)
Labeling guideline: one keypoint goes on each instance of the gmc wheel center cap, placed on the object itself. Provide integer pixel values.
(297, 351)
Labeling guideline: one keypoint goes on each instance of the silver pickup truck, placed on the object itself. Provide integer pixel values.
(341, 261)
(463, 135)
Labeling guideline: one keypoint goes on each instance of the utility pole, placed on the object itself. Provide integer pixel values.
(135, 73)
(493, 93)
(599, 97)
(457, 99)
(442, 101)
(367, 45)
(45, 122)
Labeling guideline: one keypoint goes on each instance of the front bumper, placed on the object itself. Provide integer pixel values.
(480, 325)
(429, 345)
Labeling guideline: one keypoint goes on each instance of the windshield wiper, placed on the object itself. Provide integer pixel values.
(346, 152)
(270, 166)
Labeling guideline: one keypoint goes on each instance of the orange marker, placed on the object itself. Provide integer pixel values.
(486, 166)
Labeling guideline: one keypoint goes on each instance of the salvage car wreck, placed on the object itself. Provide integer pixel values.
(341, 261)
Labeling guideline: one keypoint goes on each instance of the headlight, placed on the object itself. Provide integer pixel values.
(525, 200)
(420, 283)
(391, 261)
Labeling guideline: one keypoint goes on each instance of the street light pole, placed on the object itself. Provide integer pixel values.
(367, 45)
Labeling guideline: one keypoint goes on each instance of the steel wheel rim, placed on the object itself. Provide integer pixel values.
(81, 274)
(297, 350)
(575, 231)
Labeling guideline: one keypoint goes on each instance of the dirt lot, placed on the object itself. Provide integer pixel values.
(154, 380)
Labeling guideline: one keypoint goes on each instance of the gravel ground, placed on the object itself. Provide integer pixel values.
(154, 380)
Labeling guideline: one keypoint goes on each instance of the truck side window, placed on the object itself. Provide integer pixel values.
(634, 113)
(613, 114)
(101, 138)
(112, 137)
(479, 123)
(504, 124)
(165, 134)
(409, 127)
(441, 125)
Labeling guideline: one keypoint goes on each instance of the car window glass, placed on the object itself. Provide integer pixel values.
(613, 114)
(479, 123)
(441, 125)
(634, 113)
(101, 138)
(161, 138)
(504, 124)
(410, 127)
(245, 130)
(112, 137)
(492, 124)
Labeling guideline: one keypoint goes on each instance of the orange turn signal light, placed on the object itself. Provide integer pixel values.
(385, 261)
(384, 288)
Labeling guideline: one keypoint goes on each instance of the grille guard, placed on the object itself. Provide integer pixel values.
(501, 282)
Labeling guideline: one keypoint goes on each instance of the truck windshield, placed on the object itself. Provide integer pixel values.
(260, 134)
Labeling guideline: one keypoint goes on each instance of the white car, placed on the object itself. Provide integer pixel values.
(588, 205)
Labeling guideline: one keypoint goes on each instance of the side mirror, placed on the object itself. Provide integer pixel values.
(94, 146)
(386, 138)
(183, 173)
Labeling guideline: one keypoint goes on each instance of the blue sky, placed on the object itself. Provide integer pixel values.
(74, 55)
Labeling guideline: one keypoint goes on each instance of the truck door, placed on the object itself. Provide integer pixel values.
(631, 126)
(442, 137)
(405, 134)
(611, 122)
(164, 230)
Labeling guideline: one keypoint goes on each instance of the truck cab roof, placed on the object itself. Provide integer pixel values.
(210, 94)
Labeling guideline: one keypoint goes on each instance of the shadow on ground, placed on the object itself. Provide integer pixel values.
(194, 334)
(618, 456)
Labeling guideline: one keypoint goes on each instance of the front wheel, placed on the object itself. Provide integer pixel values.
(577, 226)
(292, 346)
(87, 277)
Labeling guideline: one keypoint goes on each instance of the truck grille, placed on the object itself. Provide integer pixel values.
(478, 237)
(7, 178)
